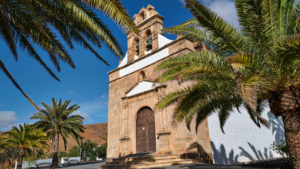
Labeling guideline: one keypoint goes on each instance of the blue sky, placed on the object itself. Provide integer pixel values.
(87, 85)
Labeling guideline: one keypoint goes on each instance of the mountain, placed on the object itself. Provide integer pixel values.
(91, 132)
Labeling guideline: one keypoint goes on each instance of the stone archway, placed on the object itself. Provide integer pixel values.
(145, 131)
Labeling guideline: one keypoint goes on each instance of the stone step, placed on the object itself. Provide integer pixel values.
(144, 161)
(146, 158)
(162, 164)
(147, 164)
(165, 164)
(139, 161)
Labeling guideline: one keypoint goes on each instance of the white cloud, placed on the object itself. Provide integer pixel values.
(94, 110)
(103, 96)
(93, 106)
(100, 98)
(182, 1)
(7, 120)
(70, 93)
(224, 8)
(85, 115)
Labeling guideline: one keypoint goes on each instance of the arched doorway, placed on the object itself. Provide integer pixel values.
(145, 131)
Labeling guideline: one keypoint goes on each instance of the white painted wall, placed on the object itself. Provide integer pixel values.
(143, 86)
(162, 41)
(147, 52)
(144, 62)
(124, 61)
(240, 133)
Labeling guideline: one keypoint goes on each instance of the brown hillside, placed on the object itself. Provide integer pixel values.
(92, 132)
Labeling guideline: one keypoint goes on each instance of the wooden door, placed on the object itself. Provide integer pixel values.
(145, 131)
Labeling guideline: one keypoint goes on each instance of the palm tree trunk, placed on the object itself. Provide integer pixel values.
(20, 158)
(286, 103)
(55, 154)
(291, 122)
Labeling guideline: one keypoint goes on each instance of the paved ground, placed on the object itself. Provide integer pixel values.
(205, 166)
(86, 166)
(190, 166)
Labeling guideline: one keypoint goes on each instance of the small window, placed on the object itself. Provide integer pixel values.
(142, 76)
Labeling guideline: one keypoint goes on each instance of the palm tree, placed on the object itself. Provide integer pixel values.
(257, 65)
(26, 139)
(57, 121)
(27, 24)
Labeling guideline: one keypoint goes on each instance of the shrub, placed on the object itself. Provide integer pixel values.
(280, 148)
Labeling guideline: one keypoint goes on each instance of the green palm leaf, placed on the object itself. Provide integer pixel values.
(255, 68)
(58, 120)
(26, 139)
(218, 27)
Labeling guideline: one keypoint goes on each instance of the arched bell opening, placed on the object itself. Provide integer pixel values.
(137, 46)
(148, 40)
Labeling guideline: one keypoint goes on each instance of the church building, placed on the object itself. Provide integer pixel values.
(134, 123)
(136, 126)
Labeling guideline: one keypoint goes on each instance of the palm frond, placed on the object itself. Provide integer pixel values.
(294, 25)
(58, 119)
(11, 78)
(8, 35)
(84, 17)
(274, 19)
(195, 66)
(26, 45)
(289, 52)
(169, 99)
(190, 30)
(233, 39)
(26, 137)
(42, 23)
(115, 10)
(243, 61)
(244, 67)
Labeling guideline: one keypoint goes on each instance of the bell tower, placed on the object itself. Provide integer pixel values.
(149, 24)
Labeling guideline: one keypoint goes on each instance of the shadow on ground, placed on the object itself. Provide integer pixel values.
(271, 164)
